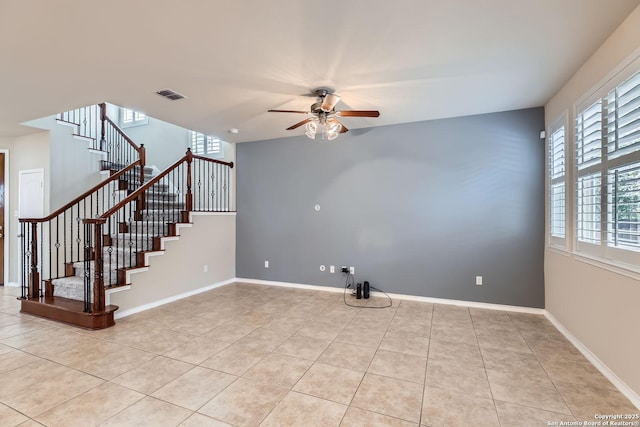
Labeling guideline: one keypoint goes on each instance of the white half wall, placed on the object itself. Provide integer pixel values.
(211, 241)
(25, 152)
(599, 306)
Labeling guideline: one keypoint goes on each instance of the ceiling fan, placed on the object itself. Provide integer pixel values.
(323, 116)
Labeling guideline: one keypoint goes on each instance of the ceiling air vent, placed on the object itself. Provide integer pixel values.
(168, 93)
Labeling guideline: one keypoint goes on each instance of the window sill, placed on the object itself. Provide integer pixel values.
(560, 250)
(622, 269)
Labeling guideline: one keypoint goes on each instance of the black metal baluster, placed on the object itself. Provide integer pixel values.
(87, 267)
(41, 259)
(50, 258)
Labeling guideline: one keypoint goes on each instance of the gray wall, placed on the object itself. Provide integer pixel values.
(418, 209)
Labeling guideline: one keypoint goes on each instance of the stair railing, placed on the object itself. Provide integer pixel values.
(86, 121)
(136, 225)
(51, 245)
(121, 150)
(92, 123)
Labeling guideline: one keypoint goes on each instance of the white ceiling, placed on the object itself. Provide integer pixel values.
(411, 59)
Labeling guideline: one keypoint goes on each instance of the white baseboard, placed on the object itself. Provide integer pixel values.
(144, 307)
(12, 284)
(633, 397)
(290, 285)
(460, 303)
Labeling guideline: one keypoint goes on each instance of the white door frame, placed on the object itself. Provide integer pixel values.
(7, 218)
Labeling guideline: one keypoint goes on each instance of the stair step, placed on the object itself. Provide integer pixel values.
(69, 311)
(153, 204)
(154, 228)
(155, 188)
(109, 272)
(160, 215)
(160, 197)
(135, 241)
(70, 287)
(123, 256)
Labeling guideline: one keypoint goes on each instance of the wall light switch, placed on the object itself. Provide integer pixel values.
(332, 269)
(266, 264)
(479, 280)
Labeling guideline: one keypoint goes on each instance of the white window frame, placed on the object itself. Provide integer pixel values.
(604, 248)
(557, 172)
(137, 118)
(210, 146)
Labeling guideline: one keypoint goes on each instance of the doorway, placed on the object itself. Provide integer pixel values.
(3, 231)
(31, 193)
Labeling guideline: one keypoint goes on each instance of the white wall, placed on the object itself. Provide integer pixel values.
(26, 152)
(211, 241)
(597, 305)
(165, 142)
(74, 169)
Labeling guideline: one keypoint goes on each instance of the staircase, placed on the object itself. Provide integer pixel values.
(93, 244)
(119, 255)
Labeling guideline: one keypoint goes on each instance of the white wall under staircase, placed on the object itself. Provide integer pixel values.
(179, 270)
(74, 168)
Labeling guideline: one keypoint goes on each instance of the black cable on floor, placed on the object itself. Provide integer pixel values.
(351, 279)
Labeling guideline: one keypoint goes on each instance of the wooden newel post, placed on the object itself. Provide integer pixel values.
(189, 196)
(103, 117)
(34, 277)
(142, 153)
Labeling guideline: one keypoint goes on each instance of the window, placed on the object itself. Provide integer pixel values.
(130, 118)
(622, 109)
(205, 145)
(557, 183)
(589, 167)
(608, 174)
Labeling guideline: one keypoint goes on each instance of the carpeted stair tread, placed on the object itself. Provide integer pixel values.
(70, 287)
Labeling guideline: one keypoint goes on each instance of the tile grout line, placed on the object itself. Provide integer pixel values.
(546, 373)
(426, 369)
(484, 366)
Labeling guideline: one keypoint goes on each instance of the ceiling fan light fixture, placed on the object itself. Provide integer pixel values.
(323, 117)
(311, 129)
(331, 135)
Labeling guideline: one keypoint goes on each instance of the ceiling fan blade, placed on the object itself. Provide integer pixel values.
(329, 101)
(343, 129)
(297, 125)
(358, 113)
(287, 111)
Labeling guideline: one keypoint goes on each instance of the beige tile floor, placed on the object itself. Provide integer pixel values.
(248, 355)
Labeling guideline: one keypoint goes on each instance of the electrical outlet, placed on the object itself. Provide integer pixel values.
(479, 280)
(352, 270)
(205, 268)
(266, 264)
(332, 269)
(344, 269)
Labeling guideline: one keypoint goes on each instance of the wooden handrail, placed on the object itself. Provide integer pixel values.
(207, 159)
(142, 189)
(82, 196)
(124, 135)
